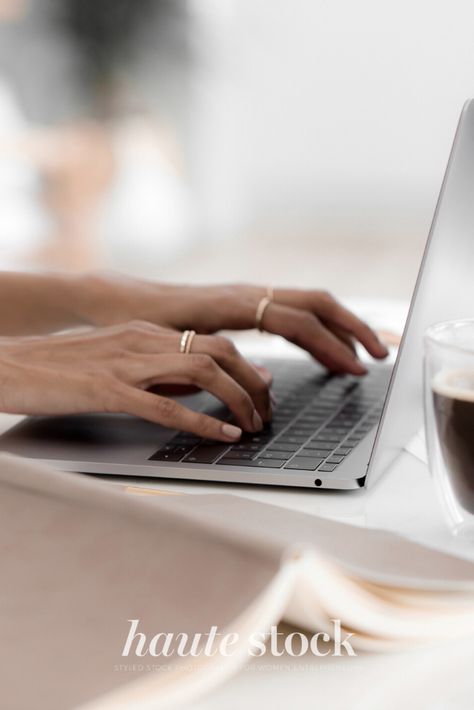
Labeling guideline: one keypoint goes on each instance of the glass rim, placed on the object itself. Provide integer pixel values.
(436, 328)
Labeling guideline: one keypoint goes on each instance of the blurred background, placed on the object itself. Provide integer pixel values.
(291, 141)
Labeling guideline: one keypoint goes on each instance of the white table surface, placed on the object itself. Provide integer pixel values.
(436, 679)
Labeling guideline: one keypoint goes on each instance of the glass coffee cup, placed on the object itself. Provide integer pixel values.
(449, 418)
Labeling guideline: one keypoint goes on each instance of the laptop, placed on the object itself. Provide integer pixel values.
(328, 431)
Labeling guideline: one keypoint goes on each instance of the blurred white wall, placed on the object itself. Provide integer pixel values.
(311, 135)
(330, 117)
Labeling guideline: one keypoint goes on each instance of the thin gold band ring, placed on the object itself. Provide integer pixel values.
(186, 341)
(262, 307)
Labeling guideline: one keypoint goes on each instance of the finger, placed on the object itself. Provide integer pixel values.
(264, 373)
(146, 338)
(304, 329)
(333, 312)
(341, 334)
(170, 413)
(200, 370)
(143, 337)
(323, 305)
(224, 352)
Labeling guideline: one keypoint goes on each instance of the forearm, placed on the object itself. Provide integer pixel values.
(41, 303)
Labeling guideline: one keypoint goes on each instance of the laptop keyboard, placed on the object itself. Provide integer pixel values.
(318, 420)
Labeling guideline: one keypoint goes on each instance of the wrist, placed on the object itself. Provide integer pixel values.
(93, 298)
(102, 299)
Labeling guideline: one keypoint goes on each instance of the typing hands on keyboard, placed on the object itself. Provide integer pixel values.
(147, 335)
(319, 420)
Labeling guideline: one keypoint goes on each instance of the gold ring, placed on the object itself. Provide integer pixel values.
(189, 341)
(184, 341)
(270, 293)
(261, 308)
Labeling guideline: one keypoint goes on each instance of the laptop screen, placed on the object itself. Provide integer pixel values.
(444, 291)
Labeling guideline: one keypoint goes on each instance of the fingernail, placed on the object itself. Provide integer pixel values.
(266, 375)
(231, 432)
(257, 421)
(361, 369)
(383, 347)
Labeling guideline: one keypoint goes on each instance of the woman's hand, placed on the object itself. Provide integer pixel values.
(314, 320)
(110, 369)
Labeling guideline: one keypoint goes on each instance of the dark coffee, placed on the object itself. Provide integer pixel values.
(453, 399)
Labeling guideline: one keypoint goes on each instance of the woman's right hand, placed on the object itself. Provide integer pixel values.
(110, 369)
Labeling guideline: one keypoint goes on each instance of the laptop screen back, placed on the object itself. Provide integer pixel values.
(444, 291)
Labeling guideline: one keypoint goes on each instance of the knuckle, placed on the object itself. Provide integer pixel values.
(326, 296)
(122, 356)
(202, 362)
(167, 408)
(207, 426)
(327, 303)
(225, 346)
(113, 392)
(137, 325)
(130, 331)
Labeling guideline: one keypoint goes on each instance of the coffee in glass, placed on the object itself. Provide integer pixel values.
(449, 416)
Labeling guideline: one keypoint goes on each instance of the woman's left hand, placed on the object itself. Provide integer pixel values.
(313, 320)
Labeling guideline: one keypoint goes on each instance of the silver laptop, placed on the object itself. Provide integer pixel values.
(336, 432)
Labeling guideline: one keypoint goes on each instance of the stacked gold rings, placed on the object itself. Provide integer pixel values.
(186, 341)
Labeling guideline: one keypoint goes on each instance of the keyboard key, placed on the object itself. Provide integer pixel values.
(315, 453)
(343, 451)
(335, 459)
(206, 453)
(284, 439)
(363, 430)
(171, 448)
(315, 421)
(166, 456)
(262, 439)
(302, 463)
(337, 431)
(246, 447)
(241, 455)
(304, 432)
(266, 463)
(271, 454)
(327, 467)
(323, 444)
(276, 446)
(186, 440)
